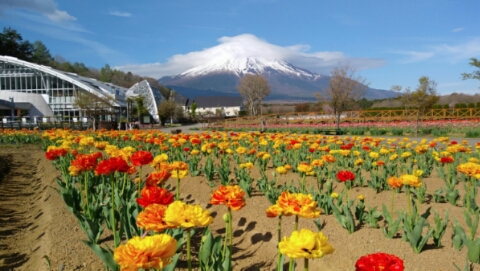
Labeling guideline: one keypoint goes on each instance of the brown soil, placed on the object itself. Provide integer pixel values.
(35, 223)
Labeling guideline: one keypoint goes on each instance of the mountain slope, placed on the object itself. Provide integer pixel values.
(288, 82)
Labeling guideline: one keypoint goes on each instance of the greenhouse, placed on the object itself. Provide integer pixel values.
(40, 93)
(151, 97)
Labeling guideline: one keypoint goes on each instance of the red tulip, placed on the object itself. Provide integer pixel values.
(379, 261)
(345, 175)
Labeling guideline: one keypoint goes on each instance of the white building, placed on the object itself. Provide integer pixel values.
(51, 93)
(218, 105)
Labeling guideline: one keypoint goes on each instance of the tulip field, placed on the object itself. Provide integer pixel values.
(224, 200)
(460, 128)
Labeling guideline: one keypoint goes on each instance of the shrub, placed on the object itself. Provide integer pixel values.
(356, 131)
(425, 131)
(397, 131)
(472, 133)
(440, 132)
(377, 132)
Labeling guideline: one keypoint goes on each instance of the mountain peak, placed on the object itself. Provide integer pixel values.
(222, 74)
(248, 65)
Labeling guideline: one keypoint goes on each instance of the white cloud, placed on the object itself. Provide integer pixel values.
(459, 51)
(248, 45)
(414, 56)
(45, 7)
(458, 29)
(444, 52)
(70, 32)
(119, 14)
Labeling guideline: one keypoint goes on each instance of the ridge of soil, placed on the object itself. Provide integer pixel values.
(34, 222)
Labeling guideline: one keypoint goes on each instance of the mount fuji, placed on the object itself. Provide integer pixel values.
(220, 76)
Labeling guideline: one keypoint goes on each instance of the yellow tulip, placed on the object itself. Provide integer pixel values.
(180, 214)
(305, 244)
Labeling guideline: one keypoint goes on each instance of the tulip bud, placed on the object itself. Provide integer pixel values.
(226, 217)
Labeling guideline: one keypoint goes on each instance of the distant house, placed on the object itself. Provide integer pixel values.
(218, 105)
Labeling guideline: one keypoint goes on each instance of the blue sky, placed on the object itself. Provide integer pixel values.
(389, 42)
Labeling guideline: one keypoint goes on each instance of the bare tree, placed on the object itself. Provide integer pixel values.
(345, 89)
(405, 96)
(421, 100)
(254, 88)
(166, 109)
(424, 97)
(93, 106)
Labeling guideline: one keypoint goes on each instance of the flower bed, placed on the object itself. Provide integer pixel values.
(104, 186)
(464, 128)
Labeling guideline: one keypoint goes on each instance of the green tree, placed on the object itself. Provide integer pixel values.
(193, 109)
(364, 103)
(475, 74)
(41, 55)
(140, 107)
(12, 44)
(80, 69)
(106, 73)
(253, 89)
(344, 90)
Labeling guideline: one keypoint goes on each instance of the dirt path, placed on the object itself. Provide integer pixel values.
(33, 219)
(20, 234)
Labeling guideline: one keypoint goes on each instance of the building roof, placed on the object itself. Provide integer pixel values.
(91, 85)
(152, 96)
(218, 101)
(4, 104)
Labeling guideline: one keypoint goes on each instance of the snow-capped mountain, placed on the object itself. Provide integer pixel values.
(221, 75)
(242, 66)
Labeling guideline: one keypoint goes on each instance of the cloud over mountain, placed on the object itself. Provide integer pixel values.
(250, 46)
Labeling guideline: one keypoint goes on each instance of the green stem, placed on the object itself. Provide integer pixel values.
(393, 198)
(291, 264)
(304, 182)
(448, 176)
(305, 264)
(177, 193)
(230, 231)
(225, 242)
(348, 194)
(103, 187)
(86, 207)
(227, 233)
(468, 193)
(189, 259)
(418, 201)
(81, 191)
(112, 218)
(409, 201)
(139, 183)
(279, 230)
(124, 182)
